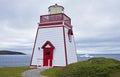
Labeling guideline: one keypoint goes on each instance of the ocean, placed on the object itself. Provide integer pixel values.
(24, 60)
(14, 60)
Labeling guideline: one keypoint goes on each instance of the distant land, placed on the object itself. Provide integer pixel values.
(7, 52)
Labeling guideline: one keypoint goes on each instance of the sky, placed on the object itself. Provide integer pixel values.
(96, 24)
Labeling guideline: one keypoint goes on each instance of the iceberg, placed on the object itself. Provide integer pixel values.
(86, 55)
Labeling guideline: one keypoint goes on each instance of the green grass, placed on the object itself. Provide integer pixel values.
(52, 72)
(12, 71)
(95, 67)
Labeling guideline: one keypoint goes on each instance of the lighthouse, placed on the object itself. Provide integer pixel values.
(54, 44)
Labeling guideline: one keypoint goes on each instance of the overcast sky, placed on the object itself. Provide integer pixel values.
(96, 24)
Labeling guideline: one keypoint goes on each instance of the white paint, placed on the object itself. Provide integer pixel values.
(55, 36)
(47, 46)
(71, 51)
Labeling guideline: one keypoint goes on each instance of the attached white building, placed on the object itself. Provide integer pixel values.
(54, 44)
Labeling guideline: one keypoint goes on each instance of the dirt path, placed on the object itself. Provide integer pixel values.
(33, 73)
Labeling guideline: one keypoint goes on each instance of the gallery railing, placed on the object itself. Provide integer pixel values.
(55, 17)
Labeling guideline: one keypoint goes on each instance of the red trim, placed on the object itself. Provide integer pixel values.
(34, 46)
(48, 43)
(54, 23)
(35, 66)
(52, 14)
(66, 16)
(67, 25)
(54, 26)
(50, 18)
(62, 16)
(65, 46)
(49, 26)
(54, 17)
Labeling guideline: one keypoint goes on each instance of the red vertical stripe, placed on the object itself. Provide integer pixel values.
(65, 46)
(34, 46)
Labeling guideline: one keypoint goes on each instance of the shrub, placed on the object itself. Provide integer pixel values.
(94, 67)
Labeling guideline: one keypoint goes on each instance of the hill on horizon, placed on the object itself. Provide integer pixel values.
(8, 52)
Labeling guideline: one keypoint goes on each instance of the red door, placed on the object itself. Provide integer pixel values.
(47, 53)
(48, 56)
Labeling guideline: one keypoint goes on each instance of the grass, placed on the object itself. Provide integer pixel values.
(12, 71)
(95, 67)
(52, 72)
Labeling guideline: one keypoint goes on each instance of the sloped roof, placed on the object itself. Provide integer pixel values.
(48, 43)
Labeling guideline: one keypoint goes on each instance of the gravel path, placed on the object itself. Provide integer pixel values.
(33, 73)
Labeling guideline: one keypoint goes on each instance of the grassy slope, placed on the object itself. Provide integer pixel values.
(95, 67)
(12, 71)
(52, 72)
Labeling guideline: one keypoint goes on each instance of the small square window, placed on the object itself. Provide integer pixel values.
(38, 48)
(47, 52)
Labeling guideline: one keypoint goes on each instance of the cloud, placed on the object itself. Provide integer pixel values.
(96, 23)
(96, 27)
(55, 1)
(11, 37)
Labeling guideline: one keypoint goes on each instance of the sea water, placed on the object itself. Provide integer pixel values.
(24, 60)
(14, 60)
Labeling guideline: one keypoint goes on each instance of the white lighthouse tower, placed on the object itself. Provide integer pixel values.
(54, 44)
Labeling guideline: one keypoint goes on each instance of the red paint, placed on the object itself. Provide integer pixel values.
(53, 26)
(67, 25)
(65, 46)
(47, 53)
(51, 17)
(49, 27)
(34, 46)
(55, 17)
(52, 23)
(70, 32)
